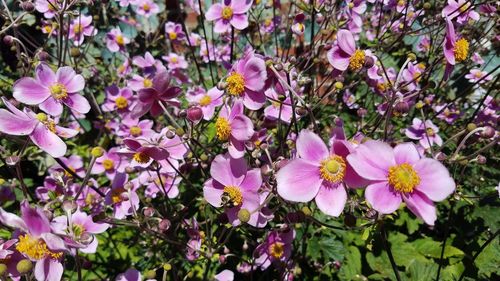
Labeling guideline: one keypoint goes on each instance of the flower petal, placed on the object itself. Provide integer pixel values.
(16, 125)
(242, 128)
(298, 181)
(311, 147)
(78, 103)
(382, 197)
(48, 141)
(29, 91)
(421, 206)
(346, 42)
(406, 153)
(331, 200)
(227, 170)
(435, 180)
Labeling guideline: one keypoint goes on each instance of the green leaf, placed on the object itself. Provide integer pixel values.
(431, 248)
(487, 262)
(422, 271)
(351, 267)
(210, 132)
(329, 247)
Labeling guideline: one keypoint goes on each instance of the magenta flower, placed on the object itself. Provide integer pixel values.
(131, 274)
(120, 100)
(461, 10)
(247, 80)
(276, 248)
(81, 27)
(150, 98)
(344, 54)
(82, 230)
(174, 32)
(233, 126)
(318, 173)
(426, 134)
(41, 129)
(478, 76)
(74, 163)
(48, 8)
(455, 50)
(400, 174)
(234, 187)
(116, 41)
(174, 61)
(134, 128)
(146, 8)
(298, 26)
(229, 13)
(278, 110)
(110, 163)
(207, 101)
(36, 241)
(122, 196)
(50, 90)
(166, 183)
(142, 154)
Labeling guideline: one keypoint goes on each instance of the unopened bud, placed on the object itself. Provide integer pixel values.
(411, 56)
(369, 62)
(170, 134)
(97, 152)
(471, 127)
(427, 5)
(164, 224)
(402, 107)
(306, 210)
(244, 215)
(3, 269)
(167, 267)
(24, 266)
(338, 85)
(180, 131)
(150, 274)
(69, 206)
(488, 132)
(362, 112)
(27, 6)
(481, 159)
(419, 105)
(74, 52)
(148, 212)
(194, 114)
(8, 39)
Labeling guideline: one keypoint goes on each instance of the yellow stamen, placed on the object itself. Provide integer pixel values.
(333, 169)
(430, 132)
(120, 40)
(222, 129)
(121, 102)
(147, 83)
(277, 249)
(403, 178)
(35, 248)
(174, 59)
(77, 29)
(234, 194)
(172, 35)
(205, 100)
(108, 164)
(135, 131)
(58, 91)
(141, 157)
(116, 195)
(227, 13)
(235, 84)
(461, 49)
(357, 60)
(146, 7)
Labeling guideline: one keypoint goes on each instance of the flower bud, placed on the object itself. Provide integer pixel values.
(164, 225)
(167, 267)
(3, 269)
(244, 215)
(481, 159)
(27, 6)
(12, 160)
(338, 85)
(488, 132)
(74, 52)
(68, 206)
(306, 211)
(411, 56)
(427, 5)
(402, 107)
(194, 114)
(180, 132)
(150, 274)
(8, 40)
(362, 112)
(97, 151)
(24, 266)
(170, 134)
(222, 259)
(319, 18)
(148, 212)
(43, 56)
(369, 62)
(471, 127)
(419, 105)
(221, 86)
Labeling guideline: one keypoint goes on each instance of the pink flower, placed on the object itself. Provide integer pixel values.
(152, 97)
(426, 134)
(276, 248)
(225, 275)
(146, 8)
(424, 45)
(143, 154)
(165, 183)
(50, 90)
(278, 110)
(234, 187)
(455, 50)
(120, 100)
(318, 173)
(122, 196)
(247, 79)
(344, 54)
(174, 32)
(461, 10)
(298, 26)
(476, 75)
(229, 13)
(233, 126)
(134, 128)
(42, 130)
(49, 8)
(207, 101)
(398, 174)
(146, 63)
(174, 61)
(81, 27)
(35, 231)
(115, 41)
(110, 163)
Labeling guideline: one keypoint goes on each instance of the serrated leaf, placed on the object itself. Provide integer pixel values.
(431, 248)
(487, 262)
(352, 264)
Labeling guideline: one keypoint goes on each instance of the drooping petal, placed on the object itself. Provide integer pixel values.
(421, 206)
(16, 125)
(35, 219)
(346, 42)
(298, 181)
(48, 269)
(311, 147)
(382, 198)
(29, 91)
(331, 200)
(48, 141)
(12, 220)
(435, 180)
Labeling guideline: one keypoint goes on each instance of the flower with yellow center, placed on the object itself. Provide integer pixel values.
(333, 169)
(58, 91)
(146, 7)
(135, 131)
(277, 249)
(172, 35)
(121, 102)
(430, 132)
(403, 178)
(35, 248)
(51, 125)
(235, 84)
(461, 49)
(174, 59)
(108, 164)
(205, 100)
(357, 60)
(120, 40)
(233, 194)
(222, 129)
(159, 181)
(141, 157)
(147, 83)
(78, 28)
(350, 5)
(227, 13)
(78, 229)
(478, 74)
(116, 195)
(268, 22)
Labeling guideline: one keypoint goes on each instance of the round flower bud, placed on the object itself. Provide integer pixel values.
(68, 206)
(203, 157)
(411, 56)
(338, 85)
(164, 225)
(148, 212)
(194, 114)
(167, 267)
(8, 39)
(419, 105)
(369, 62)
(427, 5)
(278, 66)
(3, 269)
(471, 127)
(182, 114)
(43, 56)
(74, 52)
(362, 112)
(488, 132)
(402, 107)
(244, 215)
(150, 274)
(481, 159)
(170, 134)
(306, 210)
(27, 6)
(319, 18)
(12, 160)
(292, 59)
(97, 151)
(24, 266)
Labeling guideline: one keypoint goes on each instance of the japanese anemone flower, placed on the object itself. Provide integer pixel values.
(400, 174)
